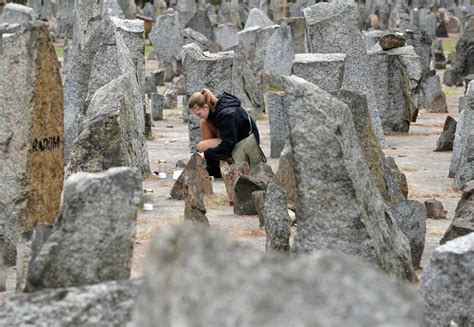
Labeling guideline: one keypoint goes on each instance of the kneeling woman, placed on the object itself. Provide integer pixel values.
(223, 123)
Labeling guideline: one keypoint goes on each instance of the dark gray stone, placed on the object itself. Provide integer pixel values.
(201, 23)
(194, 208)
(157, 106)
(157, 77)
(410, 215)
(432, 97)
(259, 201)
(465, 52)
(334, 28)
(446, 139)
(31, 133)
(209, 279)
(297, 32)
(396, 180)
(192, 36)
(76, 254)
(263, 171)
(434, 209)
(340, 207)
(278, 121)
(463, 222)
(230, 174)
(110, 302)
(447, 284)
(243, 188)
(277, 220)
(150, 86)
(324, 70)
(65, 18)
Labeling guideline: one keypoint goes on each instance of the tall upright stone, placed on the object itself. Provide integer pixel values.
(397, 76)
(31, 133)
(14, 13)
(277, 220)
(297, 32)
(186, 9)
(278, 121)
(201, 23)
(324, 70)
(65, 18)
(226, 36)
(280, 53)
(340, 207)
(334, 28)
(205, 70)
(76, 254)
(258, 18)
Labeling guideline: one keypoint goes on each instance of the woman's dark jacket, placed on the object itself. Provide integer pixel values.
(232, 121)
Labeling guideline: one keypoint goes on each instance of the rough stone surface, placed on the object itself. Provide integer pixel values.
(110, 302)
(258, 18)
(432, 96)
(14, 13)
(446, 139)
(76, 254)
(421, 42)
(278, 121)
(192, 36)
(337, 195)
(244, 186)
(447, 284)
(157, 106)
(396, 179)
(196, 276)
(463, 222)
(201, 23)
(226, 36)
(277, 220)
(31, 133)
(397, 77)
(65, 17)
(285, 176)
(383, 176)
(166, 38)
(111, 133)
(465, 51)
(410, 215)
(195, 172)
(205, 70)
(334, 28)
(230, 174)
(259, 201)
(434, 209)
(158, 77)
(324, 70)
(280, 53)
(391, 41)
(186, 9)
(263, 171)
(194, 208)
(297, 32)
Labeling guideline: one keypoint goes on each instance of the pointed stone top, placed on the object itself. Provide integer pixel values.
(258, 18)
(129, 25)
(197, 53)
(312, 57)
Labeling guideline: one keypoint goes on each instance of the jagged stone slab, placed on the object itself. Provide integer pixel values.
(277, 120)
(92, 239)
(285, 176)
(244, 186)
(280, 53)
(194, 208)
(463, 222)
(259, 201)
(230, 174)
(166, 37)
(205, 70)
(192, 36)
(340, 207)
(446, 139)
(334, 28)
(447, 283)
(201, 23)
(277, 220)
(226, 36)
(297, 32)
(196, 276)
(186, 10)
(194, 170)
(110, 302)
(258, 18)
(326, 70)
(434, 209)
(263, 171)
(14, 13)
(432, 97)
(31, 133)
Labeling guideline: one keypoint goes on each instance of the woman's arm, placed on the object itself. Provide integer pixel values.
(229, 134)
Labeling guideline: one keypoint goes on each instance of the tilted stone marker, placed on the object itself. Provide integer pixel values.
(258, 18)
(447, 284)
(446, 139)
(340, 205)
(285, 176)
(230, 174)
(93, 237)
(277, 220)
(280, 53)
(278, 121)
(434, 209)
(31, 133)
(243, 188)
(199, 277)
(226, 36)
(334, 28)
(325, 70)
(195, 185)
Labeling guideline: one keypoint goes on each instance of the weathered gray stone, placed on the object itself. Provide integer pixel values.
(259, 201)
(446, 139)
(195, 173)
(76, 254)
(324, 70)
(23, 254)
(244, 186)
(230, 174)
(278, 121)
(65, 19)
(180, 85)
(277, 220)
(434, 209)
(263, 171)
(372, 38)
(465, 51)
(463, 222)
(150, 86)
(192, 36)
(186, 9)
(258, 18)
(447, 283)
(432, 97)
(383, 176)
(211, 280)
(3, 270)
(129, 8)
(201, 23)
(285, 176)
(280, 53)
(337, 195)
(31, 133)
(297, 32)
(334, 28)
(397, 77)
(410, 215)
(122, 143)
(157, 106)
(166, 38)
(14, 13)
(226, 36)
(396, 180)
(170, 98)
(205, 70)
(158, 76)
(194, 208)
(421, 42)
(109, 302)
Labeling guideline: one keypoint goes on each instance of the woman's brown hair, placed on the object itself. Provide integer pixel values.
(205, 96)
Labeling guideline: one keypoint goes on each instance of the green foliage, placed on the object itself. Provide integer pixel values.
(59, 52)
(449, 46)
(275, 88)
(148, 50)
